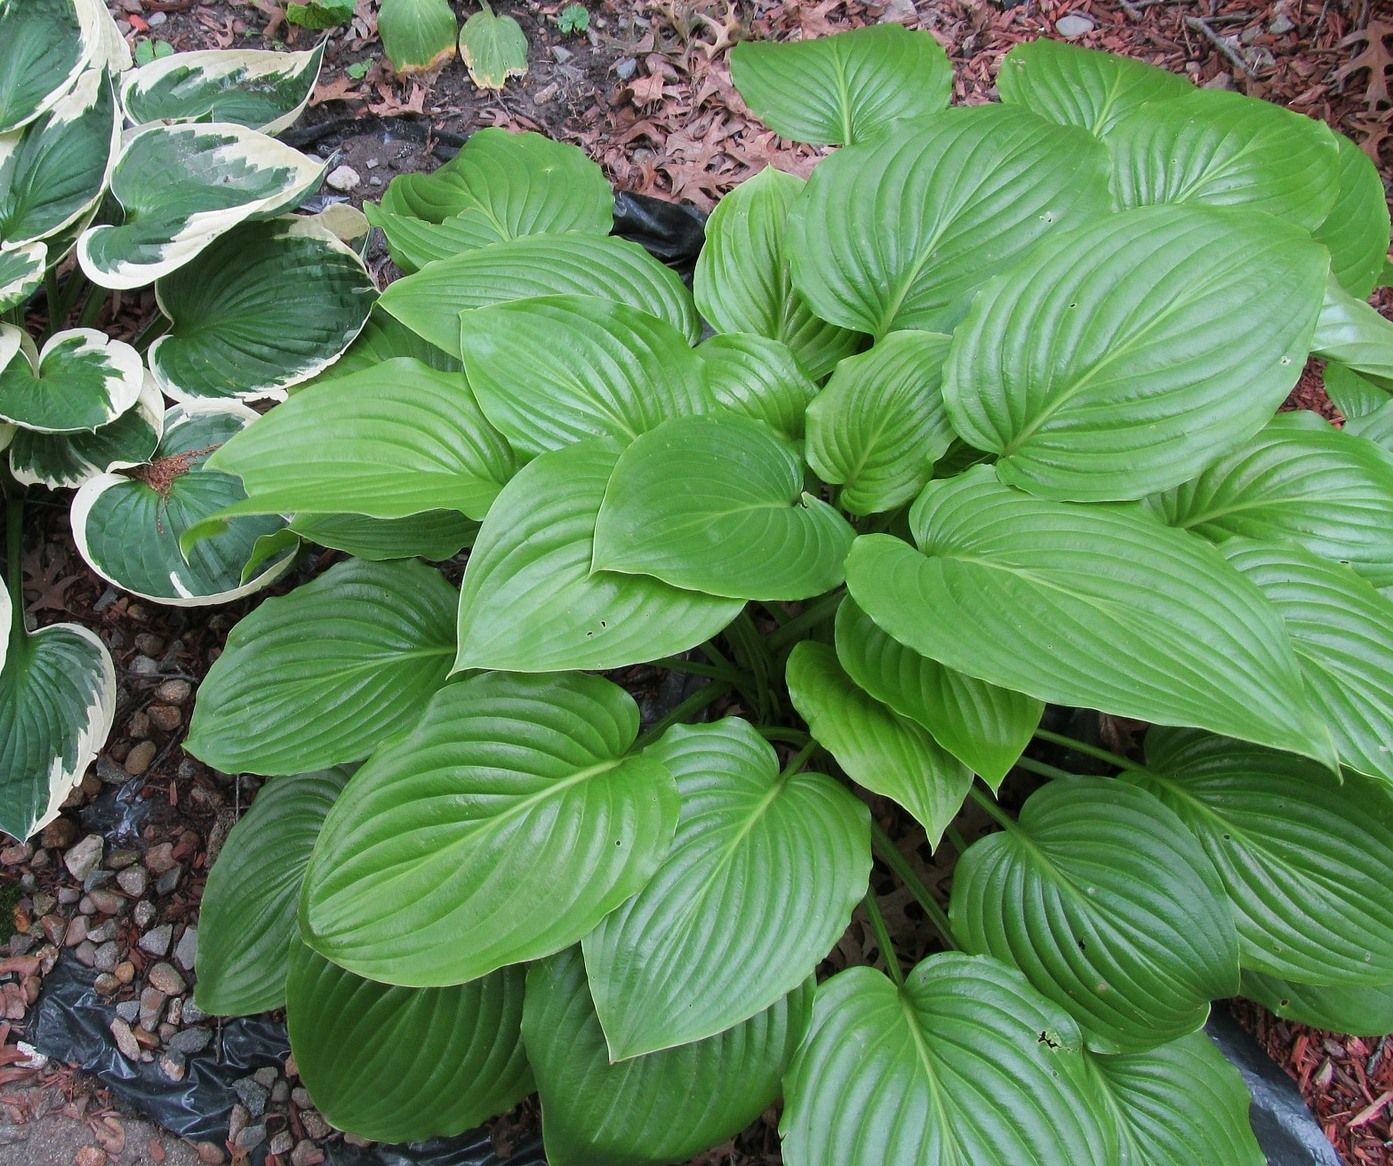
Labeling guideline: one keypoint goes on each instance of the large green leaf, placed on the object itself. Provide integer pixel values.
(430, 302)
(57, 705)
(1376, 426)
(964, 1064)
(512, 814)
(530, 601)
(646, 1111)
(384, 338)
(555, 370)
(81, 381)
(425, 1061)
(44, 45)
(1352, 332)
(322, 675)
(715, 937)
(247, 914)
(958, 198)
(1299, 481)
(986, 727)
(879, 749)
(1356, 229)
(716, 504)
(180, 188)
(844, 88)
(418, 36)
(1304, 857)
(1179, 1105)
(1109, 906)
(1354, 395)
(742, 281)
(434, 535)
(879, 425)
(758, 378)
(1099, 606)
(264, 307)
(1360, 1010)
(1105, 408)
(1081, 87)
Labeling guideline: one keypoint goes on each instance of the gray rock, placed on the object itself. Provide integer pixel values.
(253, 1095)
(125, 1039)
(86, 953)
(132, 880)
(1281, 24)
(155, 19)
(107, 902)
(156, 940)
(165, 884)
(142, 665)
(174, 691)
(251, 1137)
(315, 1125)
(103, 933)
(128, 1010)
(107, 956)
(120, 859)
(144, 913)
(186, 950)
(265, 1077)
(151, 1006)
(191, 1040)
(343, 178)
(106, 984)
(238, 1121)
(625, 69)
(172, 1064)
(82, 858)
(166, 979)
(193, 1014)
(282, 1143)
(1073, 25)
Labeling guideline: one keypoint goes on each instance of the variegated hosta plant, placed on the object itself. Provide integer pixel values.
(193, 197)
(989, 421)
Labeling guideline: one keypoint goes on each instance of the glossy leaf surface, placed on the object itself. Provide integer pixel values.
(44, 45)
(1356, 229)
(81, 381)
(1361, 1010)
(758, 378)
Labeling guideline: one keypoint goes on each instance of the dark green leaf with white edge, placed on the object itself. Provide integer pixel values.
(1218, 148)
(961, 196)
(433, 535)
(81, 381)
(716, 504)
(1303, 856)
(44, 45)
(1094, 606)
(1356, 229)
(67, 460)
(879, 425)
(1081, 87)
(965, 1063)
(1108, 405)
(555, 370)
(54, 172)
(183, 186)
(1178, 1105)
(494, 48)
(500, 186)
(530, 601)
(715, 937)
(425, 1061)
(264, 307)
(1354, 395)
(6, 609)
(653, 1110)
(758, 378)
(430, 302)
(889, 754)
(1299, 481)
(1376, 426)
(107, 41)
(57, 704)
(129, 527)
(986, 727)
(1109, 906)
(512, 813)
(1342, 630)
(1360, 1010)
(262, 90)
(1353, 333)
(320, 676)
(742, 281)
(21, 273)
(418, 36)
(247, 916)
(844, 88)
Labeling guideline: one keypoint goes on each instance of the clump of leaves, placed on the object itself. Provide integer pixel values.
(320, 13)
(573, 20)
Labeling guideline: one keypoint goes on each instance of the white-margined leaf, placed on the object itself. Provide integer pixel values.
(81, 381)
(1356, 229)
(1360, 1010)
(758, 378)
(433, 535)
(44, 45)
(108, 47)
(21, 273)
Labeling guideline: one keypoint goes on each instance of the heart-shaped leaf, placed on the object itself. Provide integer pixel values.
(1356, 229)
(21, 273)
(44, 45)
(757, 378)
(1360, 1010)
(434, 535)
(81, 381)
(494, 48)
(418, 36)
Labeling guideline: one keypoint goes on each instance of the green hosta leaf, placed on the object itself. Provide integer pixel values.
(81, 381)
(265, 306)
(54, 172)
(1354, 395)
(1081, 87)
(879, 749)
(986, 727)
(1376, 426)
(965, 1063)
(1360, 1010)
(1356, 229)
(430, 302)
(758, 378)
(264, 91)
(321, 676)
(44, 45)
(1110, 908)
(742, 281)
(57, 704)
(716, 504)
(1299, 481)
(559, 369)
(512, 814)
(21, 273)
(434, 535)
(662, 1108)
(961, 196)
(320, 13)
(1303, 856)
(385, 338)
(181, 187)
(426, 1062)
(1353, 333)
(494, 48)
(1106, 410)
(842, 88)
(715, 938)
(1178, 1105)
(247, 916)
(1099, 606)
(1225, 149)
(530, 601)
(418, 36)
(879, 425)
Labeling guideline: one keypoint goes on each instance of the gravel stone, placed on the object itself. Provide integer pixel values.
(1072, 26)
(159, 859)
(282, 1143)
(165, 716)
(107, 902)
(83, 858)
(155, 19)
(128, 1010)
(120, 859)
(315, 1125)
(106, 984)
(265, 1077)
(193, 1014)
(144, 913)
(125, 1039)
(238, 1121)
(57, 835)
(156, 941)
(107, 956)
(343, 178)
(166, 979)
(90, 1156)
(253, 1095)
(191, 1040)
(142, 665)
(186, 950)
(1280, 25)
(306, 1153)
(133, 881)
(151, 1005)
(139, 758)
(251, 1137)
(172, 1064)
(165, 884)
(86, 953)
(103, 931)
(174, 692)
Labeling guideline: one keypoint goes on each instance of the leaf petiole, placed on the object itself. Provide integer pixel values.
(888, 853)
(882, 938)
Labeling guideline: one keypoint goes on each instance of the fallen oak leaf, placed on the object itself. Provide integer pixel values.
(647, 90)
(1375, 57)
(342, 88)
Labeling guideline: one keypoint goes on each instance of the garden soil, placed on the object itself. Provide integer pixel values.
(111, 890)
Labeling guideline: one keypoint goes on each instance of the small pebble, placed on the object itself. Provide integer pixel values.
(306, 1153)
(139, 758)
(59, 834)
(142, 665)
(166, 979)
(159, 859)
(82, 859)
(86, 953)
(186, 950)
(67, 895)
(210, 1154)
(301, 1097)
(44, 903)
(107, 902)
(1280, 25)
(172, 1064)
(55, 927)
(625, 69)
(166, 717)
(265, 1077)
(238, 1122)
(282, 1143)
(106, 984)
(128, 1010)
(156, 941)
(104, 932)
(193, 1014)
(252, 1094)
(124, 971)
(125, 1040)
(22, 852)
(155, 19)
(144, 913)
(173, 1016)
(132, 880)
(138, 726)
(191, 1040)
(150, 644)
(174, 691)
(315, 1125)
(280, 1092)
(165, 884)
(1073, 25)
(120, 859)
(86, 906)
(151, 1005)
(251, 1137)
(343, 178)
(106, 958)
(90, 1156)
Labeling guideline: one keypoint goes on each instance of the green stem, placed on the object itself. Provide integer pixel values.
(703, 696)
(73, 287)
(796, 762)
(1088, 750)
(718, 658)
(995, 812)
(752, 655)
(780, 733)
(776, 612)
(882, 937)
(696, 668)
(888, 853)
(1053, 772)
(91, 307)
(808, 618)
(55, 301)
(151, 332)
(955, 839)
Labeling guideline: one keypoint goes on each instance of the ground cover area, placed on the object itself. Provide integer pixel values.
(114, 884)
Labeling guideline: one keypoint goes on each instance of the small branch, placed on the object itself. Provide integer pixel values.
(1222, 43)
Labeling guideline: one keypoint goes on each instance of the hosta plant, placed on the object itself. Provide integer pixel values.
(989, 421)
(250, 301)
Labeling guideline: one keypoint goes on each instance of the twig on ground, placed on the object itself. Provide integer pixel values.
(1223, 44)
